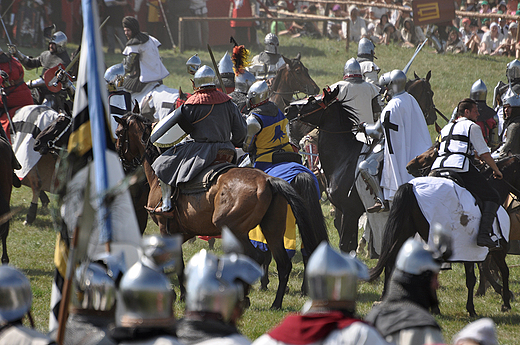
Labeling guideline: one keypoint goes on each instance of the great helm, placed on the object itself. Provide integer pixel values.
(333, 276)
(204, 77)
(397, 81)
(193, 64)
(513, 70)
(60, 39)
(271, 43)
(478, 91)
(94, 289)
(16, 294)
(244, 81)
(365, 48)
(217, 286)
(352, 70)
(114, 76)
(258, 94)
(146, 298)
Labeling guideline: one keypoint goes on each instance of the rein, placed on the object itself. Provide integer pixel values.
(136, 161)
(52, 143)
(322, 106)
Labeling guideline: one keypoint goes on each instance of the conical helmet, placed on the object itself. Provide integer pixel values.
(397, 81)
(225, 66)
(193, 64)
(352, 70)
(333, 276)
(478, 91)
(60, 39)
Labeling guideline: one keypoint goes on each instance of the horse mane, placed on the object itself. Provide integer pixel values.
(348, 115)
(277, 79)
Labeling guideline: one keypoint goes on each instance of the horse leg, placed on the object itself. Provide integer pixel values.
(44, 198)
(352, 210)
(500, 259)
(266, 261)
(5, 257)
(33, 180)
(471, 280)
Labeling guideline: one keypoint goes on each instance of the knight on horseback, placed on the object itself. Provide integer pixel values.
(119, 100)
(56, 54)
(406, 135)
(488, 118)
(225, 68)
(510, 133)
(142, 61)
(265, 65)
(243, 78)
(460, 140)
(365, 57)
(513, 82)
(215, 127)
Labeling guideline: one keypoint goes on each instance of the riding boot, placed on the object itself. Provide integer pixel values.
(486, 236)
(166, 191)
(381, 204)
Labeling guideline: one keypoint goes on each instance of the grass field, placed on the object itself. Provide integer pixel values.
(31, 247)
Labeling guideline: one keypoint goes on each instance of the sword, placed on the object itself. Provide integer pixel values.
(4, 101)
(407, 67)
(6, 33)
(216, 70)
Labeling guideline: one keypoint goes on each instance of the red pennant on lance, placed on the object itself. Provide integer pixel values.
(432, 11)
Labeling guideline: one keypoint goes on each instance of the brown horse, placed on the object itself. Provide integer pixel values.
(421, 90)
(406, 219)
(240, 198)
(291, 79)
(6, 186)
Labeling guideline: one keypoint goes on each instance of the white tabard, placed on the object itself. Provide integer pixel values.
(407, 136)
(150, 63)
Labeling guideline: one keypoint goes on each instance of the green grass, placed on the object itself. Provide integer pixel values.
(31, 247)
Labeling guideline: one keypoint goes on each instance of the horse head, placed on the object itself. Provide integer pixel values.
(55, 135)
(132, 139)
(421, 164)
(421, 90)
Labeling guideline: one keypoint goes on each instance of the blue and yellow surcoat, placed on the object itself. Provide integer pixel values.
(273, 137)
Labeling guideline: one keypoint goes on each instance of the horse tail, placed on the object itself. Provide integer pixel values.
(305, 186)
(310, 239)
(398, 228)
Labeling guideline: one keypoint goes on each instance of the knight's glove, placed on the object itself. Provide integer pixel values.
(4, 78)
(61, 75)
(12, 49)
(374, 131)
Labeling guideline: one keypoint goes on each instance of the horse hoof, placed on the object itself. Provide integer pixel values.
(275, 307)
(505, 308)
(472, 313)
(25, 223)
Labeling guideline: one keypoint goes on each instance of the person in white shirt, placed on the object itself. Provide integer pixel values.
(357, 25)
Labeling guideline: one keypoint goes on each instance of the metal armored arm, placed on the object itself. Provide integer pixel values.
(253, 128)
(374, 131)
(129, 62)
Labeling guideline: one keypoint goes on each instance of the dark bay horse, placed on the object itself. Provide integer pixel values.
(240, 198)
(6, 186)
(291, 79)
(406, 219)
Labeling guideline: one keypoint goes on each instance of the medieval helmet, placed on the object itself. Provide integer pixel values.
(225, 66)
(478, 91)
(384, 80)
(333, 276)
(93, 289)
(365, 47)
(217, 286)
(162, 253)
(352, 70)
(258, 94)
(513, 70)
(416, 258)
(271, 43)
(193, 64)
(16, 293)
(114, 76)
(511, 99)
(397, 81)
(204, 77)
(244, 81)
(60, 39)
(146, 298)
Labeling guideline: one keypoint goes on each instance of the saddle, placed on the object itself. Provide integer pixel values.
(205, 179)
(449, 174)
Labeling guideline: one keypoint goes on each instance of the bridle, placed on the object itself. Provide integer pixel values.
(300, 87)
(51, 144)
(129, 166)
(429, 97)
(322, 107)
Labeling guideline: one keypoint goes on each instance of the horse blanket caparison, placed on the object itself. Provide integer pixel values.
(443, 201)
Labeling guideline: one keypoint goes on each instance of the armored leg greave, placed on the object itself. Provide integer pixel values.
(166, 191)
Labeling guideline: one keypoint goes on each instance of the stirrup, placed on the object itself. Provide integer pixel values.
(486, 240)
(158, 211)
(379, 207)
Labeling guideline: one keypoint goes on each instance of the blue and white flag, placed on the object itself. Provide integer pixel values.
(91, 141)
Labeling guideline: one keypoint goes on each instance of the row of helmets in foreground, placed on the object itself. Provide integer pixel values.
(214, 284)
